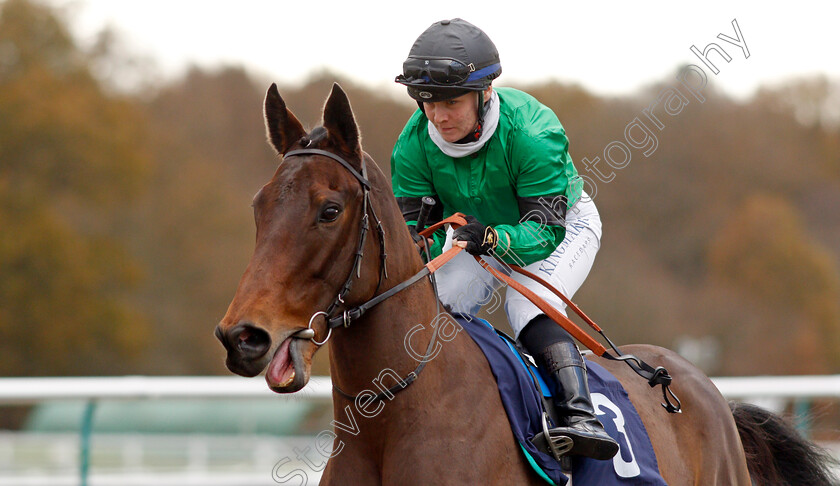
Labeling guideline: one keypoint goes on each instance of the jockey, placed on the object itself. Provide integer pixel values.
(500, 157)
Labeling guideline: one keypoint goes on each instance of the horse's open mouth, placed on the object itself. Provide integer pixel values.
(286, 372)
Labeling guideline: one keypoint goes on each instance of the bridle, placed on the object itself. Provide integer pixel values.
(348, 315)
(368, 212)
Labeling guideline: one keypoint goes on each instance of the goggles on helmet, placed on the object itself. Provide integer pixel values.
(440, 71)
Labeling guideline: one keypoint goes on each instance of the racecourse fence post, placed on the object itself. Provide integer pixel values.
(802, 416)
(84, 444)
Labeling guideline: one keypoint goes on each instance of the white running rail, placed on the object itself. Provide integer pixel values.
(34, 390)
(36, 459)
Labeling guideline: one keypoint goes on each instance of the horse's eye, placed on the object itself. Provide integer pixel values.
(329, 214)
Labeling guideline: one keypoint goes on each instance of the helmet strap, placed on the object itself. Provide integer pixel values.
(481, 109)
(476, 134)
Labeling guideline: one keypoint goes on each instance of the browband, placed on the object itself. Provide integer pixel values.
(336, 158)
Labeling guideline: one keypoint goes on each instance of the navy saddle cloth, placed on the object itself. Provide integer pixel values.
(635, 464)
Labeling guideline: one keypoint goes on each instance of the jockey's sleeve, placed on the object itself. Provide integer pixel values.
(546, 185)
(527, 242)
(410, 181)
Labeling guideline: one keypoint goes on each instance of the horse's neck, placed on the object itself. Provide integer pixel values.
(376, 342)
(390, 338)
(395, 334)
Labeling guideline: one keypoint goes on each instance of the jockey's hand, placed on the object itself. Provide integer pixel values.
(418, 240)
(476, 238)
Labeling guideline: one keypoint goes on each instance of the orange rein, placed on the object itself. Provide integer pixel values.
(457, 220)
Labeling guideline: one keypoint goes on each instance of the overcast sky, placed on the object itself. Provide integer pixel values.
(609, 48)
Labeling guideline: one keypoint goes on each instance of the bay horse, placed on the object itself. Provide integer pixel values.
(329, 237)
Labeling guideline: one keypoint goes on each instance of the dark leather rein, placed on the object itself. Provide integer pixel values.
(346, 316)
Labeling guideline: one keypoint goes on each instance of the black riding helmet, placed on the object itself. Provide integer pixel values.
(449, 59)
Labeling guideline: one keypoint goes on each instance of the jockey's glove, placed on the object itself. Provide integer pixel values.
(480, 239)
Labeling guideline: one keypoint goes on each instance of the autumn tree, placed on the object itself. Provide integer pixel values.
(70, 156)
(766, 253)
(125, 221)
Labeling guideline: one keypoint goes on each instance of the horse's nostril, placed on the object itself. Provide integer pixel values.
(247, 338)
(250, 341)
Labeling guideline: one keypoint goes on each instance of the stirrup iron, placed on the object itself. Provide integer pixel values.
(560, 445)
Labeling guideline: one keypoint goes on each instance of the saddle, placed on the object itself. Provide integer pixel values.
(526, 397)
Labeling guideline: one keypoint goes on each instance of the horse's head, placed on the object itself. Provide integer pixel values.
(308, 220)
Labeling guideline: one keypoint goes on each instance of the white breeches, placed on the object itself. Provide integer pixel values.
(465, 286)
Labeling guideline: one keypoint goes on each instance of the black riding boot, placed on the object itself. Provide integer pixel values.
(573, 403)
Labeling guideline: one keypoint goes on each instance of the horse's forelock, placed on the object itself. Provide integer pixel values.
(319, 138)
(314, 138)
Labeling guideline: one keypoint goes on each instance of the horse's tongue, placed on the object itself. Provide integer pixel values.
(281, 370)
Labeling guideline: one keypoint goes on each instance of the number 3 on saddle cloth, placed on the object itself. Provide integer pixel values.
(635, 464)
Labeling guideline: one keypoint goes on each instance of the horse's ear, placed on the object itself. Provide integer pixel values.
(281, 126)
(340, 122)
